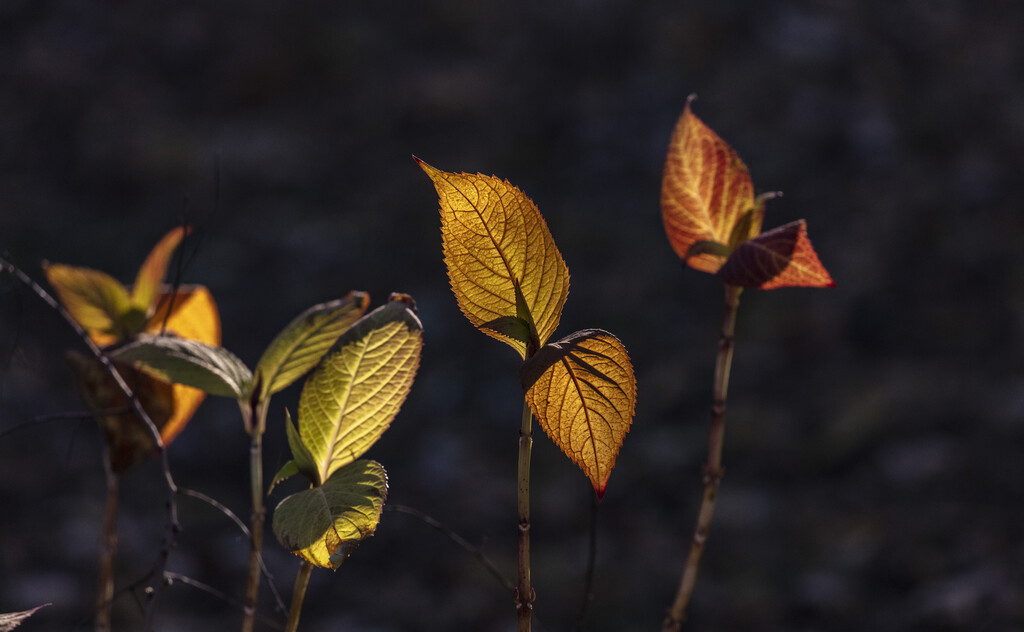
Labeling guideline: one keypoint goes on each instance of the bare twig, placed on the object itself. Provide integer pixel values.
(173, 527)
(245, 530)
(220, 595)
(457, 539)
(713, 469)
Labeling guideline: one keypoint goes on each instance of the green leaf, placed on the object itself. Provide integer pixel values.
(355, 392)
(304, 341)
(323, 525)
(214, 370)
(287, 470)
(707, 247)
(300, 453)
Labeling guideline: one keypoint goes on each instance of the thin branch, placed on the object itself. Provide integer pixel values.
(173, 527)
(234, 603)
(459, 540)
(523, 593)
(713, 469)
(245, 530)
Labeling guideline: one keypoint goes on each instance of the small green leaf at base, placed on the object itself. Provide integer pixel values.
(323, 525)
(303, 460)
(214, 370)
(287, 471)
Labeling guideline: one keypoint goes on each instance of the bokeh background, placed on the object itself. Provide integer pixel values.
(875, 440)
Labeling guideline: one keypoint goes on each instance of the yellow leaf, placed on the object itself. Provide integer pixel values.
(96, 300)
(193, 315)
(705, 190)
(495, 240)
(583, 393)
(151, 274)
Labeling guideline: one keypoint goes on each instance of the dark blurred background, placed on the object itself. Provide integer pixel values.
(875, 441)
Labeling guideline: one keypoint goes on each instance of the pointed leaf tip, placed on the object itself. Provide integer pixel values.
(496, 243)
(583, 392)
(705, 189)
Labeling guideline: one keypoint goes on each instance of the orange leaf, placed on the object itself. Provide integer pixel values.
(96, 300)
(153, 270)
(778, 258)
(705, 190)
(495, 240)
(583, 393)
(193, 315)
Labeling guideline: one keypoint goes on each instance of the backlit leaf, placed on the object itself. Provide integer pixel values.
(494, 239)
(777, 258)
(583, 393)
(323, 525)
(95, 299)
(353, 395)
(214, 370)
(300, 453)
(193, 315)
(705, 190)
(151, 274)
(304, 341)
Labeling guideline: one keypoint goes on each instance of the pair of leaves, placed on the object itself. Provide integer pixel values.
(110, 313)
(713, 220)
(365, 367)
(346, 404)
(511, 282)
(217, 371)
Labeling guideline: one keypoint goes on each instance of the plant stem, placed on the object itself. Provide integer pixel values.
(252, 584)
(713, 470)
(524, 592)
(301, 581)
(108, 550)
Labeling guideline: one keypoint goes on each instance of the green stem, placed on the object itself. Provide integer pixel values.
(301, 581)
(252, 585)
(524, 591)
(713, 470)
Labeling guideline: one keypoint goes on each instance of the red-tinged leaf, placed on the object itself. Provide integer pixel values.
(583, 392)
(705, 190)
(151, 274)
(780, 257)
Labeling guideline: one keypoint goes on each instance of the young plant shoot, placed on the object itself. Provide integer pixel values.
(511, 283)
(713, 222)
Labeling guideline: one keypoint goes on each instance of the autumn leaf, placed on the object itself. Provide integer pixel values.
(505, 270)
(583, 392)
(777, 258)
(109, 314)
(154, 269)
(713, 220)
(705, 190)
